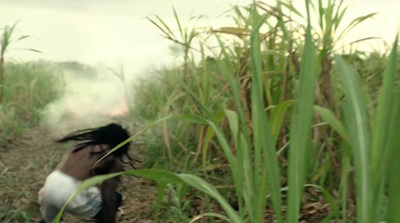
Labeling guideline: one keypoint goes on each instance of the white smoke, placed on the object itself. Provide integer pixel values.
(88, 101)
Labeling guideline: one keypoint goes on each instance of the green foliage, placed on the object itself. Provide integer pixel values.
(8, 39)
(254, 77)
(10, 216)
(29, 87)
(300, 130)
(357, 125)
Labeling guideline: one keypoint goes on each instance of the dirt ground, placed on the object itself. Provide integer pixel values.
(26, 161)
(24, 165)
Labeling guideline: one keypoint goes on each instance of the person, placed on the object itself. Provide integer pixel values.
(78, 164)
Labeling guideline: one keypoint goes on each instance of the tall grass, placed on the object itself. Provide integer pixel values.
(28, 88)
(300, 130)
(259, 104)
(370, 148)
(7, 40)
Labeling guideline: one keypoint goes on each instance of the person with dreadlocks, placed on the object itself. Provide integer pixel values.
(99, 203)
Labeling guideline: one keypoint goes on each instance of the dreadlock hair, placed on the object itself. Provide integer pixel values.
(111, 135)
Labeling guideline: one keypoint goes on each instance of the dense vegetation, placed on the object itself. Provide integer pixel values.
(29, 87)
(269, 111)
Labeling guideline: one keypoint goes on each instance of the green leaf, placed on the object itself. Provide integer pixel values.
(178, 22)
(207, 140)
(300, 129)
(328, 116)
(291, 8)
(354, 23)
(277, 116)
(264, 146)
(393, 213)
(191, 118)
(384, 119)
(157, 175)
(225, 146)
(207, 188)
(233, 122)
(356, 121)
(209, 214)
(22, 37)
(161, 194)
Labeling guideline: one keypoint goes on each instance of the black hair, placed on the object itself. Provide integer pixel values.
(111, 135)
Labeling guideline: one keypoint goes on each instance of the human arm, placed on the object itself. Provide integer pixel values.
(110, 199)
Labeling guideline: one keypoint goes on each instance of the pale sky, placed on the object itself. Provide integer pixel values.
(92, 31)
(116, 32)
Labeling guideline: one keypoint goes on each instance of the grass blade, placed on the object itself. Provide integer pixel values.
(393, 214)
(381, 132)
(207, 188)
(300, 130)
(328, 116)
(263, 140)
(357, 127)
(208, 214)
(277, 117)
(157, 175)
